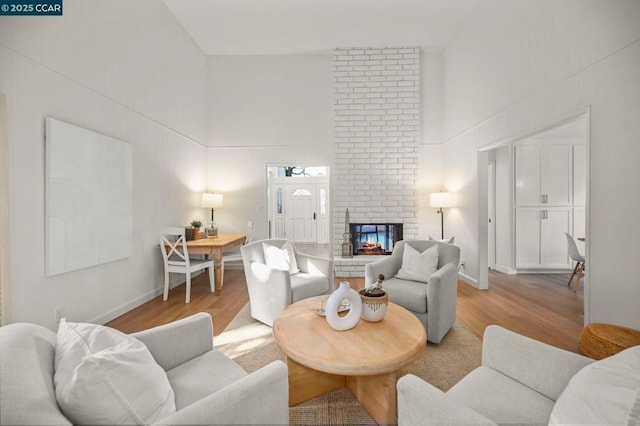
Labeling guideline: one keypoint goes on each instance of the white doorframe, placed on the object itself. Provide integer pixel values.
(491, 200)
(482, 171)
(321, 184)
(5, 265)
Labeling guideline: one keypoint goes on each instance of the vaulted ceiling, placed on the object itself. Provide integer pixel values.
(270, 27)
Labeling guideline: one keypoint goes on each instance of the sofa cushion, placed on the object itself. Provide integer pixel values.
(410, 294)
(501, 399)
(283, 259)
(418, 266)
(27, 353)
(603, 392)
(203, 376)
(305, 285)
(103, 376)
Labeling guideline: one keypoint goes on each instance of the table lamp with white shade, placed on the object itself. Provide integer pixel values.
(440, 200)
(212, 201)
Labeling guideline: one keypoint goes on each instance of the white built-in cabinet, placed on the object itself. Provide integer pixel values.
(543, 175)
(549, 181)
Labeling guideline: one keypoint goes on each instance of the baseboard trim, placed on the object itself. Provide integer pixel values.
(467, 279)
(126, 307)
(505, 270)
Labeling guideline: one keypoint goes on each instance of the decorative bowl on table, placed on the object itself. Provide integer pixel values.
(373, 307)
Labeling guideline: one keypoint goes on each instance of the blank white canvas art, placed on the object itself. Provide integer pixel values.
(89, 198)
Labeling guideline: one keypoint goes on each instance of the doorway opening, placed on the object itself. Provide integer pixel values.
(533, 189)
(299, 206)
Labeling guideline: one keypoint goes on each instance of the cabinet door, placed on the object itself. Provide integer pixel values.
(527, 164)
(579, 175)
(528, 222)
(555, 174)
(553, 243)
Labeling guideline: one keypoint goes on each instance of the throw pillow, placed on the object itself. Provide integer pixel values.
(450, 240)
(283, 259)
(418, 266)
(604, 392)
(103, 376)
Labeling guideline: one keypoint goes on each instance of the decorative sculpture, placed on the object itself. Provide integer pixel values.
(333, 306)
(347, 246)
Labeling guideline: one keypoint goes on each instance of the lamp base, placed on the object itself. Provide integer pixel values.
(212, 231)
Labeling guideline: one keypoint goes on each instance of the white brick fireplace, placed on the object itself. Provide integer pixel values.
(376, 126)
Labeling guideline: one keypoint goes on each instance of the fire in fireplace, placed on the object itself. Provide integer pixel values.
(374, 238)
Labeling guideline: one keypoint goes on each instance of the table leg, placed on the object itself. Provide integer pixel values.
(377, 394)
(217, 261)
(306, 383)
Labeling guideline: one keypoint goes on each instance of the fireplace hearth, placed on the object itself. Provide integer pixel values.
(374, 238)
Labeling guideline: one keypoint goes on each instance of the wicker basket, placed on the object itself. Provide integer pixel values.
(599, 341)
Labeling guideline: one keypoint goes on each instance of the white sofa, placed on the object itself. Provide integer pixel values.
(525, 381)
(209, 387)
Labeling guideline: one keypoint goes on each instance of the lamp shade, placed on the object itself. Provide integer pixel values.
(211, 200)
(442, 199)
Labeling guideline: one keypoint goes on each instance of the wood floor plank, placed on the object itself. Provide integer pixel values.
(540, 306)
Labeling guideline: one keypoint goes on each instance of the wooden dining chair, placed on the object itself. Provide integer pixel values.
(235, 255)
(176, 259)
(578, 258)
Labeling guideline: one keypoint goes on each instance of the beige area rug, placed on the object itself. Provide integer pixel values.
(251, 344)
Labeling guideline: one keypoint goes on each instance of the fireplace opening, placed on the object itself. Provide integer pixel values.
(374, 238)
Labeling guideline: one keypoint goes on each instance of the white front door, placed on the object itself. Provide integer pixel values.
(300, 213)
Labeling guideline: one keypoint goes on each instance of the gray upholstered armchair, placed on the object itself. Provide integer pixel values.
(209, 387)
(519, 382)
(434, 303)
(271, 290)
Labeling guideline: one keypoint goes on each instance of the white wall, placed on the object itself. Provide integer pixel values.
(125, 69)
(519, 66)
(263, 110)
(279, 100)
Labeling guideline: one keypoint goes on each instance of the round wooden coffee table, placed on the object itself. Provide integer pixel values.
(365, 358)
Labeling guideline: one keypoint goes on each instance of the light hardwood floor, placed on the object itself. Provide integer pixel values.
(540, 306)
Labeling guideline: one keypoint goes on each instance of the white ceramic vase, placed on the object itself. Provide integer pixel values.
(333, 304)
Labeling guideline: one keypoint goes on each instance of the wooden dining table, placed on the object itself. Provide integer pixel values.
(213, 248)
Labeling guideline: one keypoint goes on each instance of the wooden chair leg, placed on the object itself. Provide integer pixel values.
(580, 273)
(222, 273)
(575, 269)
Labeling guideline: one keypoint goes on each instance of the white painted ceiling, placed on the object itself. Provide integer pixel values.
(269, 27)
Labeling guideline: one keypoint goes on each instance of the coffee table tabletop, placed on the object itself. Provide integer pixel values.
(365, 358)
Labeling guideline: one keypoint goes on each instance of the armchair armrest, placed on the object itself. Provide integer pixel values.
(441, 301)
(389, 267)
(179, 341)
(265, 281)
(262, 397)
(421, 403)
(543, 368)
(315, 265)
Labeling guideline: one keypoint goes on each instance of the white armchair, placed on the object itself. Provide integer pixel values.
(434, 303)
(209, 387)
(271, 290)
(519, 381)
